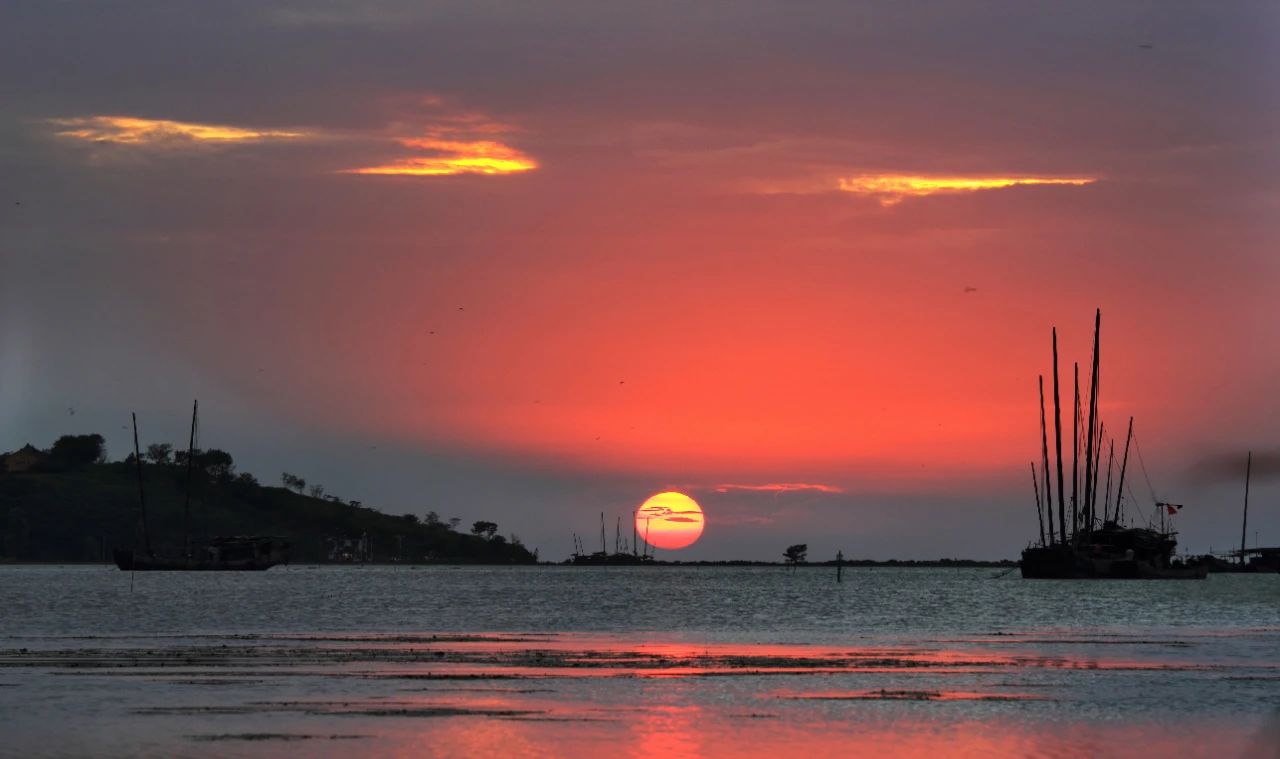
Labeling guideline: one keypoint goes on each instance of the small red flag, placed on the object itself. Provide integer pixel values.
(1172, 509)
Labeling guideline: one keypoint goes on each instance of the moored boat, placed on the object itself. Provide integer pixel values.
(1082, 545)
(229, 553)
(241, 552)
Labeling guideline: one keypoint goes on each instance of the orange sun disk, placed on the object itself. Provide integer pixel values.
(670, 520)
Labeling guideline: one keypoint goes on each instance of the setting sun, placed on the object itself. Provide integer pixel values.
(670, 520)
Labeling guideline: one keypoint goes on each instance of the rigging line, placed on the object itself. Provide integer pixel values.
(1143, 464)
(1136, 507)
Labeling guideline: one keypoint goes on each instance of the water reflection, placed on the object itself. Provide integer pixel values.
(199, 666)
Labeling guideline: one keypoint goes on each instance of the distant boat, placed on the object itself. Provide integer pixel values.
(1254, 559)
(603, 557)
(1087, 547)
(242, 552)
(234, 553)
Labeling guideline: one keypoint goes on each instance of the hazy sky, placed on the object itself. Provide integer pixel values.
(528, 262)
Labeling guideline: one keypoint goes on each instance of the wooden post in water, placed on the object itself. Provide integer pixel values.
(840, 565)
(1244, 527)
(1057, 431)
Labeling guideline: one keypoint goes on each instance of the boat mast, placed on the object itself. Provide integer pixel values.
(602, 548)
(142, 499)
(647, 545)
(1057, 430)
(1035, 484)
(1244, 526)
(635, 544)
(1106, 504)
(1044, 459)
(617, 536)
(186, 506)
(1089, 464)
(1124, 464)
(1075, 458)
(1091, 496)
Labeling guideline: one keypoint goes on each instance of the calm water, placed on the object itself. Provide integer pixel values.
(644, 661)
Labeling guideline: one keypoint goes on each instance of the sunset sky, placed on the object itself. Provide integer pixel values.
(527, 262)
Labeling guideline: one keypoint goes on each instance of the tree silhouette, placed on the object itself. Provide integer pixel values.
(293, 482)
(75, 451)
(796, 554)
(160, 453)
(484, 529)
(218, 464)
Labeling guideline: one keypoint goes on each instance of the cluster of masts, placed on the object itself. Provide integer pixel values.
(1084, 496)
(620, 546)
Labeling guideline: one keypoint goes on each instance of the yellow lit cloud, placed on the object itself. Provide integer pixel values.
(130, 130)
(450, 157)
(781, 487)
(893, 188)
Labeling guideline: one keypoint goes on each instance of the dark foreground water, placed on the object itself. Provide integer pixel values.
(643, 661)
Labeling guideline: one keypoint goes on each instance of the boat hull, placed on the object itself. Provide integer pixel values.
(134, 562)
(1060, 562)
(221, 555)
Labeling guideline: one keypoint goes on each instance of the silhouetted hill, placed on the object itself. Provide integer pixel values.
(79, 513)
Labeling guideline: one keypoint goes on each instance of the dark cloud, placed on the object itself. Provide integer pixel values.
(1230, 467)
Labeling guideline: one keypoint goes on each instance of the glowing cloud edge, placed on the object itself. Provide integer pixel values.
(893, 188)
(142, 132)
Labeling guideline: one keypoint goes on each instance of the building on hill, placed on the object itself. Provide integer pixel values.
(28, 458)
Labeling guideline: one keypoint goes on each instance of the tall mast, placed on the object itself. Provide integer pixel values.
(1057, 431)
(647, 545)
(1075, 457)
(602, 548)
(1044, 462)
(635, 544)
(186, 506)
(1124, 464)
(142, 499)
(1091, 496)
(1089, 465)
(617, 536)
(1106, 504)
(1244, 526)
(1035, 484)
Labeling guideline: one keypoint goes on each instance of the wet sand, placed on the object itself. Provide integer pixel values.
(574, 694)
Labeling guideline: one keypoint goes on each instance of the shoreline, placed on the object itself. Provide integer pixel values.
(848, 564)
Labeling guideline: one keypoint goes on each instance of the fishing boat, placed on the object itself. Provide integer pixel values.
(619, 557)
(230, 553)
(1080, 544)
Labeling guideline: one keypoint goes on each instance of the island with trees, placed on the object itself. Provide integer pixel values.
(69, 503)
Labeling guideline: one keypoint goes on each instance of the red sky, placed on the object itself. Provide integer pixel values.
(636, 249)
